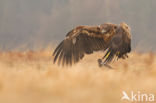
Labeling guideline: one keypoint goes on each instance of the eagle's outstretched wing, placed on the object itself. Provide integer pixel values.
(83, 40)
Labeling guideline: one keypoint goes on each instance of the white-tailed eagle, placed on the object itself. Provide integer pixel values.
(115, 39)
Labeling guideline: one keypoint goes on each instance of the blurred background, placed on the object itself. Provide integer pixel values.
(31, 24)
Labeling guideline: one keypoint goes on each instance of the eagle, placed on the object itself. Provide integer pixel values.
(113, 39)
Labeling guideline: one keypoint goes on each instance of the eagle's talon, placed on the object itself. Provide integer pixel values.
(106, 65)
(103, 64)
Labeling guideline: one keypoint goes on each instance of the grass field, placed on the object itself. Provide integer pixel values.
(31, 77)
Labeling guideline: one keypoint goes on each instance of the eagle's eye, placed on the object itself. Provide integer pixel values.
(128, 28)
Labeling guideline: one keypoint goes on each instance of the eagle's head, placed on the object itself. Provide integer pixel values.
(125, 26)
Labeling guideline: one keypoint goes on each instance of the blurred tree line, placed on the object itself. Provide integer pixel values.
(40, 22)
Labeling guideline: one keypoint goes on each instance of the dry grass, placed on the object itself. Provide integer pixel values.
(31, 77)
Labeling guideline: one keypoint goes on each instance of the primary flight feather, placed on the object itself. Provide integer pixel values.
(116, 39)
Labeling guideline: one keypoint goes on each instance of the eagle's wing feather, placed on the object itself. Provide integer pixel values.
(78, 42)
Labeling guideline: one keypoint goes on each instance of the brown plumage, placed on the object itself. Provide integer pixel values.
(116, 39)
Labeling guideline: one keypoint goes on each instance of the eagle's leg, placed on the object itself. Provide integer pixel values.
(103, 64)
